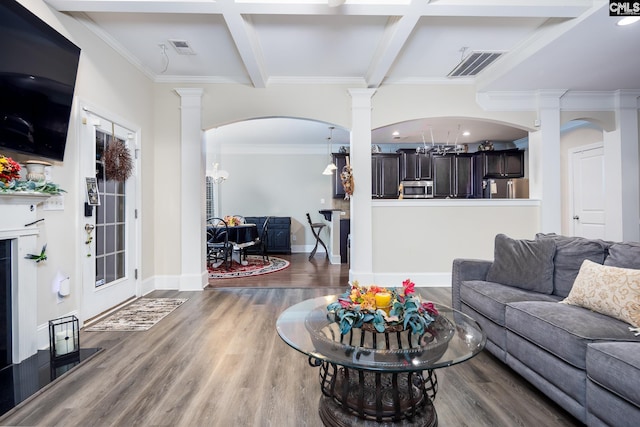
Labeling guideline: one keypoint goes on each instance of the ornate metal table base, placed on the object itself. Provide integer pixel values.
(372, 398)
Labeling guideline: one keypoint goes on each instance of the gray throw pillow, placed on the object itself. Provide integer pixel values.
(570, 253)
(525, 264)
(624, 255)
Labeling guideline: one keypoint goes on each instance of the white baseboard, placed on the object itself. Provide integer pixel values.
(430, 280)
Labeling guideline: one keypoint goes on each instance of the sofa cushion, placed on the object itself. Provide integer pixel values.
(615, 366)
(608, 290)
(490, 299)
(525, 264)
(570, 252)
(562, 329)
(625, 255)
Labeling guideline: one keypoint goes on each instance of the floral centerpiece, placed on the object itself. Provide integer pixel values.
(232, 220)
(383, 308)
(9, 170)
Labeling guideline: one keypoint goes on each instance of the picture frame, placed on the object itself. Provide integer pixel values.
(93, 196)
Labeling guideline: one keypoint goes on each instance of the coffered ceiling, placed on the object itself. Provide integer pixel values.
(571, 45)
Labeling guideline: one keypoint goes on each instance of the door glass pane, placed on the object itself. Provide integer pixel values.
(110, 229)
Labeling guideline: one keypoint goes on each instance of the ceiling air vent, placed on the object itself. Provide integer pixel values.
(475, 62)
(182, 47)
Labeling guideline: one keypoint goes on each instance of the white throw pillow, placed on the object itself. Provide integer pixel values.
(613, 291)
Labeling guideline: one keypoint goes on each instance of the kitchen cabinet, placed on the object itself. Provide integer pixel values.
(414, 166)
(385, 175)
(340, 160)
(502, 164)
(453, 175)
(278, 232)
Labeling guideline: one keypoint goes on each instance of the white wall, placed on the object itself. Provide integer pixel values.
(420, 239)
(107, 80)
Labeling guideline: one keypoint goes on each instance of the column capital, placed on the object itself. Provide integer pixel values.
(190, 97)
(626, 99)
(549, 99)
(361, 98)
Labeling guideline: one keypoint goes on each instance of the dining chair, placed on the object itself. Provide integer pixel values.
(218, 246)
(261, 243)
(316, 228)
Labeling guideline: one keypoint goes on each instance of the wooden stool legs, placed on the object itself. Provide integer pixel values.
(319, 228)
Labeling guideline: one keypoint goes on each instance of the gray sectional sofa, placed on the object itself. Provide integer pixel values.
(587, 362)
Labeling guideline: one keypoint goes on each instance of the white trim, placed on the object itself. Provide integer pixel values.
(431, 280)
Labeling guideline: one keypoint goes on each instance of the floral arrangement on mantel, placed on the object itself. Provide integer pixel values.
(9, 169)
(10, 181)
(383, 308)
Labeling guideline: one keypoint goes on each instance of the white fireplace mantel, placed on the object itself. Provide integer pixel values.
(17, 210)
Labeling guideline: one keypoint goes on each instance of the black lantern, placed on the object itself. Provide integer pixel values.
(64, 338)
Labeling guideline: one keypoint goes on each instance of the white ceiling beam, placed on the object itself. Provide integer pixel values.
(495, 8)
(246, 41)
(395, 36)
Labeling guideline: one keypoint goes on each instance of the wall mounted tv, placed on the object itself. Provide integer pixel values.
(38, 69)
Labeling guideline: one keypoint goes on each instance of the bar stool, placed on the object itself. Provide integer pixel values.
(316, 228)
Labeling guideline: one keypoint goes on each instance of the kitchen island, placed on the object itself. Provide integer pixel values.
(419, 238)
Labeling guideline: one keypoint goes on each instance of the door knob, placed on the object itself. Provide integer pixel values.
(576, 217)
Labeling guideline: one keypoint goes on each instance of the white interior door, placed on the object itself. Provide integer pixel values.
(588, 192)
(110, 266)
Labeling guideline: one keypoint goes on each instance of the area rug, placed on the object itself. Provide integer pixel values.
(254, 267)
(140, 315)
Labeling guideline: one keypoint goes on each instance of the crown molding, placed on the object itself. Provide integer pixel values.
(567, 100)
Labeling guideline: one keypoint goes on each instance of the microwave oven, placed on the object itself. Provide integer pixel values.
(417, 189)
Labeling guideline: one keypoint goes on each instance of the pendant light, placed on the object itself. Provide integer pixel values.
(331, 166)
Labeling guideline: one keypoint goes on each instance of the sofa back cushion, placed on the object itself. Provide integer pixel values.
(612, 291)
(570, 252)
(525, 264)
(624, 255)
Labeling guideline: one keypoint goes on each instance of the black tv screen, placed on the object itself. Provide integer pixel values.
(38, 69)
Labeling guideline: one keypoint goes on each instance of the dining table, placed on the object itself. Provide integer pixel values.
(240, 236)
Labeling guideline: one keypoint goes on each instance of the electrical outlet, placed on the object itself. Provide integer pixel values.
(293, 237)
(322, 201)
(54, 203)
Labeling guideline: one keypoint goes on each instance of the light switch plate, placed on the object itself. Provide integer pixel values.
(54, 203)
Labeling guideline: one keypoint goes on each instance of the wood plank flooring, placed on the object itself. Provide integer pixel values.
(218, 361)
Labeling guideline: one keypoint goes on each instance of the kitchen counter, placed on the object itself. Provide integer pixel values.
(454, 202)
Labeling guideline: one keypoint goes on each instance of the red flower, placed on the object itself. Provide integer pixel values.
(344, 303)
(430, 308)
(408, 286)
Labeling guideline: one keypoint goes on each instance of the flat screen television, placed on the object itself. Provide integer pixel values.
(38, 68)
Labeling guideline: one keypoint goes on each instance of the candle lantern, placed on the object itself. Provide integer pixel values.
(64, 338)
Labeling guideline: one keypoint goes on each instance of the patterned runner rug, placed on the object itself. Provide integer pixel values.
(140, 315)
(253, 268)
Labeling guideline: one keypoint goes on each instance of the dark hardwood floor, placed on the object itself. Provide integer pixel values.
(218, 361)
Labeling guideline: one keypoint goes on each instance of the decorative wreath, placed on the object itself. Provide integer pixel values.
(117, 161)
(346, 177)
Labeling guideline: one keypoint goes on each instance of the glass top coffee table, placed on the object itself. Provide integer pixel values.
(368, 377)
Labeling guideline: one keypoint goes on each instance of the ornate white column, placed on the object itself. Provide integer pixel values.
(544, 162)
(193, 275)
(360, 157)
(622, 173)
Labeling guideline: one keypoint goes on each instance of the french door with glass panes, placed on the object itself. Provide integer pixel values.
(110, 271)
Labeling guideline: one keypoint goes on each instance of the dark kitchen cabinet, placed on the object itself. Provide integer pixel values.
(278, 232)
(502, 164)
(453, 175)
(414, 166)
(385, 175)
(340, 160)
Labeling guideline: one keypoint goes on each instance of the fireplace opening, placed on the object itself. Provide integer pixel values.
(5, 303)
